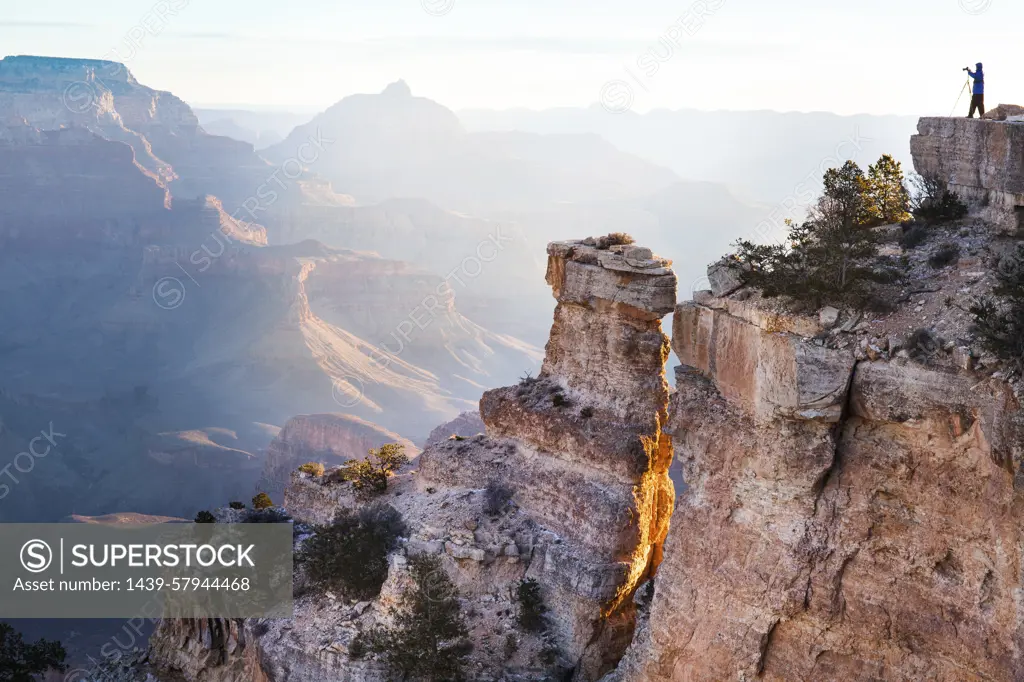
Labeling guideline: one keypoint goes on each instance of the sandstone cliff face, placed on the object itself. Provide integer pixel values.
(581, 450)
(103, 192)
(853, 521)
(582, 444)
(981, 160)
(208, 649)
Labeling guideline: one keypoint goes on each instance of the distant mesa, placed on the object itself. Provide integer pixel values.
(124, 519)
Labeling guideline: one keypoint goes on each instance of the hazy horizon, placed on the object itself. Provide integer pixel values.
(707, 55)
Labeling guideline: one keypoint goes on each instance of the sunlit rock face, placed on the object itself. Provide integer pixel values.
(581, 456)
(582, 444)
(843, 520)
(980, 160)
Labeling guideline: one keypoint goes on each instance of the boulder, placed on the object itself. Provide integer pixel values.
(726, 276)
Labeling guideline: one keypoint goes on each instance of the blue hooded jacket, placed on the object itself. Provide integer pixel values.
(979, 79)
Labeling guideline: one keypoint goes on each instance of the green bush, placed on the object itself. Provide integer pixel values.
(887, 199)
(933, 203)
(205, 517)
(999, 318)
(313, 469)
(268, 515)
(237, 505)
(262, 501)
(430, 639)
(21, 662)
(532, 610)
(370, 476)
(923, 345)
(587, 412)
(351, 554)
(831, 257)
(914, 236)
(496, 498)
(947, 254)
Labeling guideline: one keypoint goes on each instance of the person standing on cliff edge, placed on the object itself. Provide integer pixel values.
(978, 98)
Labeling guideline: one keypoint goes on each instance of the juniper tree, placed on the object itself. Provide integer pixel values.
(830, 257)
(370, 475)
(21, 662)
(430, 639)
(351, 554)
(888, 199)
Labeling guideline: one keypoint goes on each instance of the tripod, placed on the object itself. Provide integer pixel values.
(967, 86)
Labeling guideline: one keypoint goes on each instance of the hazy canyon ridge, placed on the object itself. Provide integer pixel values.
(175, 296)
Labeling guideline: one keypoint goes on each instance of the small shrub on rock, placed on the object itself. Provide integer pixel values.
(313, 469)
(430, 638)
(237, 505)
(999, 318)
(532, 610)
(357, 648)
(610, 240)
(913, 236)
(549, 652)
(947, 254)
(933, 203)
(205, 517)
(262, 501)
(587, 412)
(511, 645)
(267, 515)
(496, 498)
(922, 345)
(559, 400)
(370, 476)
(351, 554)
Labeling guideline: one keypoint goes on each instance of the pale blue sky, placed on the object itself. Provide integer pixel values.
(874, 56)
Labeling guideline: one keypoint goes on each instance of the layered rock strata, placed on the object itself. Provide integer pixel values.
(580, 456)
(844, 520)
(582, 444)
(981, 160)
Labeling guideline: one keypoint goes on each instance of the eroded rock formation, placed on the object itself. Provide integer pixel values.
(580, 451)
(582, 443)
(845, 519)
(980, 160)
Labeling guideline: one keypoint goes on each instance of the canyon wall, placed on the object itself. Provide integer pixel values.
(846, 518)
(582, 444)
(981, 160)
(581, 452)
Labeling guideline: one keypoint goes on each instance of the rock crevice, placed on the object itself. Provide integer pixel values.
(868, 537)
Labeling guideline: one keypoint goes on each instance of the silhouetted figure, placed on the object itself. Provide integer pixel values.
(978, 98)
